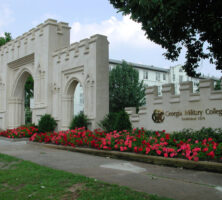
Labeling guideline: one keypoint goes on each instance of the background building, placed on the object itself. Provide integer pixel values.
(150, 75)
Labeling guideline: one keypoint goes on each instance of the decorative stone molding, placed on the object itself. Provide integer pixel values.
(22, 61)
(55, 88)
(2, 84)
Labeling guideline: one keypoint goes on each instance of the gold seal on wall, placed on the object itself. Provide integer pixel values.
(158, 116)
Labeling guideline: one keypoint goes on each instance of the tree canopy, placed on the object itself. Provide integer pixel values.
(174, 24)
(29, 89)
(125, 89)
(6, 38)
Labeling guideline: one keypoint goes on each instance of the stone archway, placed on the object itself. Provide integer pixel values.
(17, 100)
(56, 66)
(68, 101)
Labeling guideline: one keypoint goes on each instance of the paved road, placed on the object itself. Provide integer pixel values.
(176, 183)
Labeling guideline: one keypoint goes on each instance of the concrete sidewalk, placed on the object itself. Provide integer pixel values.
(176, 183)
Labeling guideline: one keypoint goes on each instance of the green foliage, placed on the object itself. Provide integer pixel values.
(29, 89)
(198, 135)
(123, 121)
(47, 124)
(109, 121)
(116, 121)
(28, 125)
(125, 89)
(79, 121)
(6, 38)
(218, 85)
(28, 115)
(192, 25)
(194, 135)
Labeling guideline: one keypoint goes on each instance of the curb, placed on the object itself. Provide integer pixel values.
(14, 139)
(173, 162)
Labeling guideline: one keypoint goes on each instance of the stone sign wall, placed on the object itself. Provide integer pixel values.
(172, 112)
(57, 67)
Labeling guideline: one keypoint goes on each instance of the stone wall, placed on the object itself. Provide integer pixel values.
(172, 112)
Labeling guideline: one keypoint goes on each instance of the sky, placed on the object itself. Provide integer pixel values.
(88, 17)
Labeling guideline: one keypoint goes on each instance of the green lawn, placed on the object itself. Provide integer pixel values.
(25, 180)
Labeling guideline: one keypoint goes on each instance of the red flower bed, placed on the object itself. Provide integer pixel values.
(136, 141)
(19, 132)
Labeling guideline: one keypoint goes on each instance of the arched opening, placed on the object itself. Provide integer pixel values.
(73, 101)
(23, 95)
(78, 99)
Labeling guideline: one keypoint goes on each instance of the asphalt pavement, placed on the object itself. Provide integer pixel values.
(176, 183)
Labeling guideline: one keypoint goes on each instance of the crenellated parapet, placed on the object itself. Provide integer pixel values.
(27, 40)
(76, 49)
(175, 112)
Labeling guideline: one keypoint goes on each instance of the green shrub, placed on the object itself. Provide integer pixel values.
(109, 122)
(28, 125)
(123, 121)
(116, 121)
(79, 121)
(198, 134)
(194, 135)
(47, 123)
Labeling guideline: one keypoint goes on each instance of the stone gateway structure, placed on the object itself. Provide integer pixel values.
(57, 67)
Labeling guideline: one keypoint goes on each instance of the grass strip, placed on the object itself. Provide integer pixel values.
(21, 180)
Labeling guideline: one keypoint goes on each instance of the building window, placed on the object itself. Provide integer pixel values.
(164, 77)
(159, 90)
(180, 70)
(180, 79)
(173, 77)
(157, 76)
(145, 74)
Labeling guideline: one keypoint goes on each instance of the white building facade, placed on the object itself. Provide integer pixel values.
(151, 76)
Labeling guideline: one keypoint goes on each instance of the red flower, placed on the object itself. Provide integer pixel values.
(195, 158)
(121, 148)
(211, 154)
(140, 149)
(158, 152)
(157, 134)
(205, 149)
(167, 136)
(165, 155)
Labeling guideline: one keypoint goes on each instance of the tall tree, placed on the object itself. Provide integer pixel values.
(218, 85)
(174, 24)
(6, 38)
(125, 89)
(29, 89)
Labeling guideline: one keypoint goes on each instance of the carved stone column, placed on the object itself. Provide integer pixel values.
(2, 95)
(56, 102)
(40, 86)
(89, 95)
(15, 112)
(67, 106)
